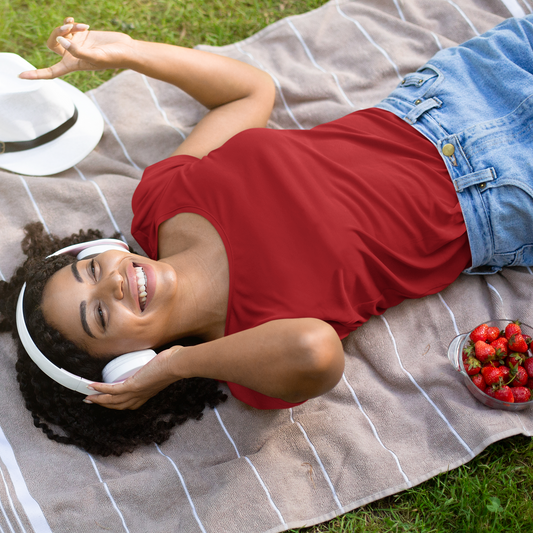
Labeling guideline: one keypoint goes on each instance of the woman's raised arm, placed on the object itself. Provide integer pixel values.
(238, 95)
(292, 359)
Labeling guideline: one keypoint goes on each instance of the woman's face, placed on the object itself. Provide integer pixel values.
(99, 303)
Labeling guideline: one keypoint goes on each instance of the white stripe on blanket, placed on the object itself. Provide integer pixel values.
(108, 492)
(424, 393)
(31, 507)
(514, 8)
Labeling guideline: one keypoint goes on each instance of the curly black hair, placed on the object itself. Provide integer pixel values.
(59, 411)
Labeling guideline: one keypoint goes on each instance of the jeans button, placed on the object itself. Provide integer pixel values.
(418, 101)
(448, 149)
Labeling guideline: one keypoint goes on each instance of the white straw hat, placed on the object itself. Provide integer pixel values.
(46, 126)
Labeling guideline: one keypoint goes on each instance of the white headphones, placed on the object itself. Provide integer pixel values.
(116, 370)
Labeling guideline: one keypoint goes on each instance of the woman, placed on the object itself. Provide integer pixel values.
(271, 246)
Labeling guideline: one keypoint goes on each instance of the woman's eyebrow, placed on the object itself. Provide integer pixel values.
(83, 317)
(83, 305)
(76, 273)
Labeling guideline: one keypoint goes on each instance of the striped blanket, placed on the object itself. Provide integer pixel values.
(399, 416)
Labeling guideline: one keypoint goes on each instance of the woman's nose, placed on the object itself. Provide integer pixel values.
(114, 284)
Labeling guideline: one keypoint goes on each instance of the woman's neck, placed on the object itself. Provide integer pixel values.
(192, 246)
(201, 295)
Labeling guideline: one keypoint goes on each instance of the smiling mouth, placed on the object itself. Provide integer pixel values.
(141, 286)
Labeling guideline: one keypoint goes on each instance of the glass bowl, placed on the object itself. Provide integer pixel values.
(455, 350)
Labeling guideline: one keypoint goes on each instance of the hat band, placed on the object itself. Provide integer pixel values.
(20, 146)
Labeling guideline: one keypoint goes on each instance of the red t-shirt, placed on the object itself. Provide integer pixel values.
(339, 222)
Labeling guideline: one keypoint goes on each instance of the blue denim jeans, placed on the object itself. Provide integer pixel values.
(474, 102)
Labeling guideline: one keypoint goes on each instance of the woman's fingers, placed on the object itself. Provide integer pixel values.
(44, 73)
(119, 402)
(109, 388)
(63, 43)
(60, 41)
(76, 28)
(110, 401)
(66, 31)
(115, 396)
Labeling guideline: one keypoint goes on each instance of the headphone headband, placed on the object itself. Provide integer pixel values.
(118, 369)
(85, 249)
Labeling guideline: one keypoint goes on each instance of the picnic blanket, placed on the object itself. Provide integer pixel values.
(399, 415)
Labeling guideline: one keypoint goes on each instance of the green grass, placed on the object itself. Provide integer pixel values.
(492, 493)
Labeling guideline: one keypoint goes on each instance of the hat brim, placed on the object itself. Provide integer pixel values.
(68, 149)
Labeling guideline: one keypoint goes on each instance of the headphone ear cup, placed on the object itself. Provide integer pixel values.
(126, 365)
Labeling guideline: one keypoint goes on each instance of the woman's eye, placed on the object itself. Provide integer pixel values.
(101, 315)
(93, 268)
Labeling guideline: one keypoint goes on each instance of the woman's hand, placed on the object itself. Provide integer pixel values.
(139, 388)
(82, 49)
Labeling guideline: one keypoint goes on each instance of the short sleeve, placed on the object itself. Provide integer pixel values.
(148, 202)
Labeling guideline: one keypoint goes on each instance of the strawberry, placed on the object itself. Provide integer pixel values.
(484, 352)
(491, 374)
(514, 359)
(472, 366)
(530, 383)
(500, 345)
(492, 334)
(519, 376)
(527, 338)
(490, 392)
(517, 343)
(528, 365)
(521, 394)
(505, 394)
(512, 329)
(480, 333)
(505, 373)
(479, 382)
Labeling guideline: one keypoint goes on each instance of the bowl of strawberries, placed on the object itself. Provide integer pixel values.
(496, 360)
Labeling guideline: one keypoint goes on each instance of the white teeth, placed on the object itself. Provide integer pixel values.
(141, 286)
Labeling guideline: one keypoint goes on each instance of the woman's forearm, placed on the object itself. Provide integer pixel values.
(211, 79)
(292, 359)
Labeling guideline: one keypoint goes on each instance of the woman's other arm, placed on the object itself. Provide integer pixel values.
(238, 95)
(292, 359)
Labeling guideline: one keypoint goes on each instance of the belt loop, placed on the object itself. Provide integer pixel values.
(480, 178)
(421, 106)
